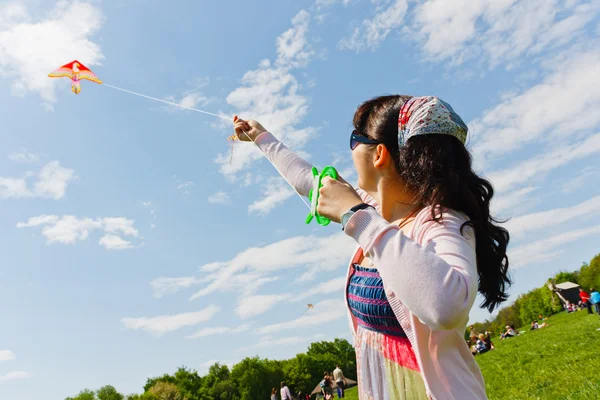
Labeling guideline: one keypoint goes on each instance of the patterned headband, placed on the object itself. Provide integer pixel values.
(429, 115)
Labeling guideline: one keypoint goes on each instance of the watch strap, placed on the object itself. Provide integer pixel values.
(346, 216)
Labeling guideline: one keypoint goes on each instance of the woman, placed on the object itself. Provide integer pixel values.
(274, 394)
(326, 389)
(426, 244)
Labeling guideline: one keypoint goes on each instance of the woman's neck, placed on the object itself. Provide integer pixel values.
(395, 201)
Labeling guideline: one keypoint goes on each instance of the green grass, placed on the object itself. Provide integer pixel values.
(351, 394)
(560, 361)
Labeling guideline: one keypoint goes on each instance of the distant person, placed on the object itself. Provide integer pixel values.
(340, 381)
(585, 300)
(534, 325)
(473, 334)
(488, 340)
(595, 299)
(481, 345)
(569, 307)
(326, 388)
(274, 394)
(285, 392)
(510, 332)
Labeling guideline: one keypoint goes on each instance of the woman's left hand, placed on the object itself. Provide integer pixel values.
(335, 198)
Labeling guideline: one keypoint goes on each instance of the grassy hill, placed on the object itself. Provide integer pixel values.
(561, 361)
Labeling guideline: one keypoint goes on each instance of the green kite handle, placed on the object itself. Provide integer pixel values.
(313, 195)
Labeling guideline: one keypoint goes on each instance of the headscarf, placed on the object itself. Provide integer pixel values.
(429, 115)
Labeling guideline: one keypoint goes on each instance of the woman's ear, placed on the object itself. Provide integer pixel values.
(382, 156)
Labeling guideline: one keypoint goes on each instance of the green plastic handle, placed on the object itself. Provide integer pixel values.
(327, 171)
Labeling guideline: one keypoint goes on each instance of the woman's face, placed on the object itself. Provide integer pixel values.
(362, 156)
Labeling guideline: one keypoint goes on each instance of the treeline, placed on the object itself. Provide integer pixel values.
(542, 300)
(250, 379)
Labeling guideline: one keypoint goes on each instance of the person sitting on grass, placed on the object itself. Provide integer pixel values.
(534, 325)
(510, 332)
(488, 341)
(481, 345)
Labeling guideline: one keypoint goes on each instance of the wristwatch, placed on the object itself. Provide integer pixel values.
(346, 216)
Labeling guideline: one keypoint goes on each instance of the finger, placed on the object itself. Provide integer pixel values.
(326, 180)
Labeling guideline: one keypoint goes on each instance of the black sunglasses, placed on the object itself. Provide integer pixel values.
(356, 138)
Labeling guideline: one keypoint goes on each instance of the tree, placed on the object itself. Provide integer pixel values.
(85, 394)
(165, 391)
(589, 274)
(565, 276)
(108, 392)
(251, 379)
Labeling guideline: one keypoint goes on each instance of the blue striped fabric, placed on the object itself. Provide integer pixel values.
(369, 304)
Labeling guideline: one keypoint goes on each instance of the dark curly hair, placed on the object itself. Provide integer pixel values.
(437, 170)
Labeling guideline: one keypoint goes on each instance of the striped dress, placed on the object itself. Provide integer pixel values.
(386, 363)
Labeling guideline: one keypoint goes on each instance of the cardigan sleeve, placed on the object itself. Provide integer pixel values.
(295, 169)
(434, 275)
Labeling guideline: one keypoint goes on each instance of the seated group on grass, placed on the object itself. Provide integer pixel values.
(483, 344)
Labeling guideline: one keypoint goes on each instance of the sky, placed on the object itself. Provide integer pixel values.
(133, 242)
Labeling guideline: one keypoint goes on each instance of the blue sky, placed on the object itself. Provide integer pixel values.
(131, 246)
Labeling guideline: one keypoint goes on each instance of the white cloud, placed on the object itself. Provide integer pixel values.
(114, 242)
(148, 205)
(335, 285)
(580, 180)
(251, 306)
(218, 330)
(538, 166)
(537, 115)
(14, 375)
(164, 285)
(169, 323)
(183, 186)
(313, 253)
(546, 249)
(268, 341)
(508, 200)
(373, 31)
(271, 95)
(30, 49)
(52, 182)
(24, 157)
(497, 31)
(543, 220)
(324, 312)
(293, 49)
(189, 99)
(275, 192)
(219, 198)
(68, 229)
(120, 224)
(7, 355)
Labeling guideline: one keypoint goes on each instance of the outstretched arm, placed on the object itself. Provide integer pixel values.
(293, 167)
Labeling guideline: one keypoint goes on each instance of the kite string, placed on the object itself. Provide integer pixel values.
(219, 116)
(168, 102)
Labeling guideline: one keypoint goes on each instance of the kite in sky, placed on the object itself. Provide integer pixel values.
(76, 71)
(309, 307)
